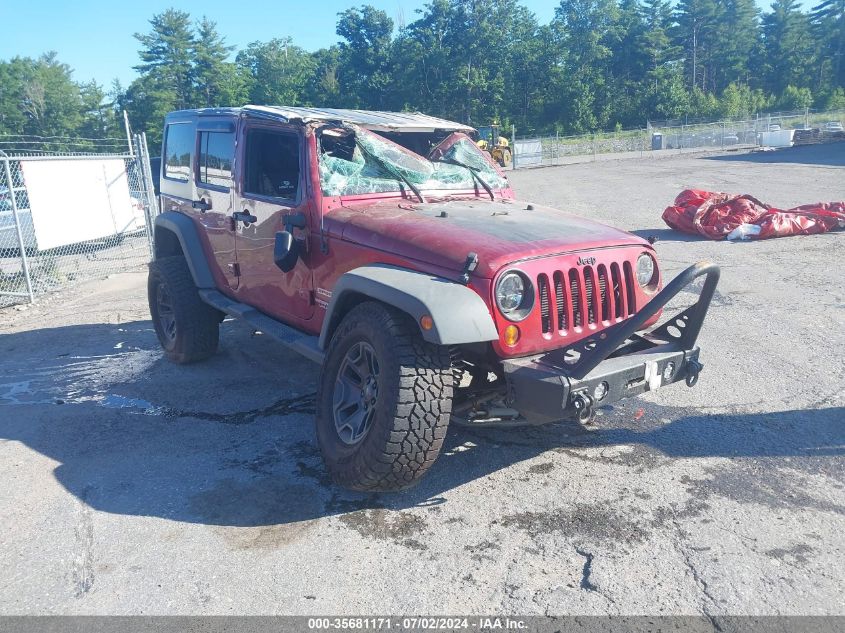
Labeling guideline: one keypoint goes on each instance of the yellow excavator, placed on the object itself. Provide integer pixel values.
(492, 142)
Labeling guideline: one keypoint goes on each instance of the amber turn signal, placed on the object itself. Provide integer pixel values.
(426, 322)
(511, 335)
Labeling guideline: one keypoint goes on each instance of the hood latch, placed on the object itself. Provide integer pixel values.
(470, 265)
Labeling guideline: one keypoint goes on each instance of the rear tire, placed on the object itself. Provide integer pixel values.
(378, 358)
(186, 327)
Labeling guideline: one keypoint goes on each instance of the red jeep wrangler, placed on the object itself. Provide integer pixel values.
(388, 248)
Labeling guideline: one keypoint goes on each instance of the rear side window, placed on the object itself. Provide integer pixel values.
(178, 147)
(217, 149)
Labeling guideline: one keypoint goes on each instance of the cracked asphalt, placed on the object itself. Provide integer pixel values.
(133, 486)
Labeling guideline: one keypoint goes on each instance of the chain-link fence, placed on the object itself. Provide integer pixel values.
(779, 129)
(71, 210)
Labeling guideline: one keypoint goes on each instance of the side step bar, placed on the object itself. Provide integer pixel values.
(304, 344)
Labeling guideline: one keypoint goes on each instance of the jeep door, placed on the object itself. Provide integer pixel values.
(271, 185)
(215, 191)
(191, 187)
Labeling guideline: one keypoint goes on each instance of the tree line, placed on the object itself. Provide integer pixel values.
(598, 64)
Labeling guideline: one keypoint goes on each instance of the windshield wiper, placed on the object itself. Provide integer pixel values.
(393, 172)
(473, 171)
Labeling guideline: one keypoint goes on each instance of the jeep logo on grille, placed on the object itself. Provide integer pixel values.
(586, 261)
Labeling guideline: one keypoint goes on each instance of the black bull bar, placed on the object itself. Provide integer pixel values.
(617, 361)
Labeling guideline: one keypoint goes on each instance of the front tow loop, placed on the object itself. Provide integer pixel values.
(583, 405)
(693, 369)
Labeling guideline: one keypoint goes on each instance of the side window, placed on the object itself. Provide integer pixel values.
(178, 147)
(272, 164)
(217, 149)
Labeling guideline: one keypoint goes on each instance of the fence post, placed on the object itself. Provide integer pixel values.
(21, 245)
(594, 146)
(513, 143)
(142, 160)
(128, 133)
(557, 146)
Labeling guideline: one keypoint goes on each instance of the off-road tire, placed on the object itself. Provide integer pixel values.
(411, 414)
(196, 323)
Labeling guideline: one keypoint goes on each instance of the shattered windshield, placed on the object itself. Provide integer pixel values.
(356, 161)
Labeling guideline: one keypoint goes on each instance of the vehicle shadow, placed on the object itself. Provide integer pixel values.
(829, 154)
(135, 435)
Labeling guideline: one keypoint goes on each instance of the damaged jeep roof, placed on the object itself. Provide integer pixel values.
(369, 119)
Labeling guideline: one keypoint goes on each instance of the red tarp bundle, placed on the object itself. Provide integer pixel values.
(714, 215)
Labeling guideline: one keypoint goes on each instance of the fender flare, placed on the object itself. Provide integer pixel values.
(185, 231)
(459, 314)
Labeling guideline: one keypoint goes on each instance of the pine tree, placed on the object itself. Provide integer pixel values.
(696, 24)
(278, 72)
(829, 20)
(167, 56)
(211, 72)
(788, 45)
(657, 45)
(586, 31)
(737, 45)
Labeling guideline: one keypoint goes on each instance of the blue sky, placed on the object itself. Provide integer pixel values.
(95, 37)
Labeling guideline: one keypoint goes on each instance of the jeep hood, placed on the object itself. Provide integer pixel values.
(500, 232)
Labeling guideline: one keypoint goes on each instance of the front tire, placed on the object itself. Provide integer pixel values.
(186, 327)
(385, 401)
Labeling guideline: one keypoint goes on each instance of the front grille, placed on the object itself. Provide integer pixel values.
(545, 312)
(560, 301)
(585, 296)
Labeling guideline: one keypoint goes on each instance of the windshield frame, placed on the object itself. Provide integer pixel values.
(402, 190)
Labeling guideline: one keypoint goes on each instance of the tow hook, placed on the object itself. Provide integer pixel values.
(693, 369)
(583, 405)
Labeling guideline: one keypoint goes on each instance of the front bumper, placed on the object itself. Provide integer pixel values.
(617, 363)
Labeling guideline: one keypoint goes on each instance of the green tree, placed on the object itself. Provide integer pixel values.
(464, 59)
(528, 69)
(216, 81)
(98, 119)
(696, 24)
(789, 46)
(829, 20)
(794, 98)
(656, 42)
(49, 98)
(13, 75)
(167, 56)
(737, 44)
(323, 89)
(276, 72)
(365, 68)
(587, 31)
(740, 100)
(147, 100)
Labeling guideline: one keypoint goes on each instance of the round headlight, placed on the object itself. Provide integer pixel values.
(645, 269)
(514, 295)
(509, 292)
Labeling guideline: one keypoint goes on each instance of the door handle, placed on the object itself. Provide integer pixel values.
(201, 205)
(244, 216)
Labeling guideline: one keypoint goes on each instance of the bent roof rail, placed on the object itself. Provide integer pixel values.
(368, 119)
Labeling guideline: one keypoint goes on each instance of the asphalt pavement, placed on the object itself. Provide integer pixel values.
(134, 486)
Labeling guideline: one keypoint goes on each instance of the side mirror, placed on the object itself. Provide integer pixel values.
(285, 251)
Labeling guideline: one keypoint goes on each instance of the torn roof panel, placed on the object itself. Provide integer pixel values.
(369, 119)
